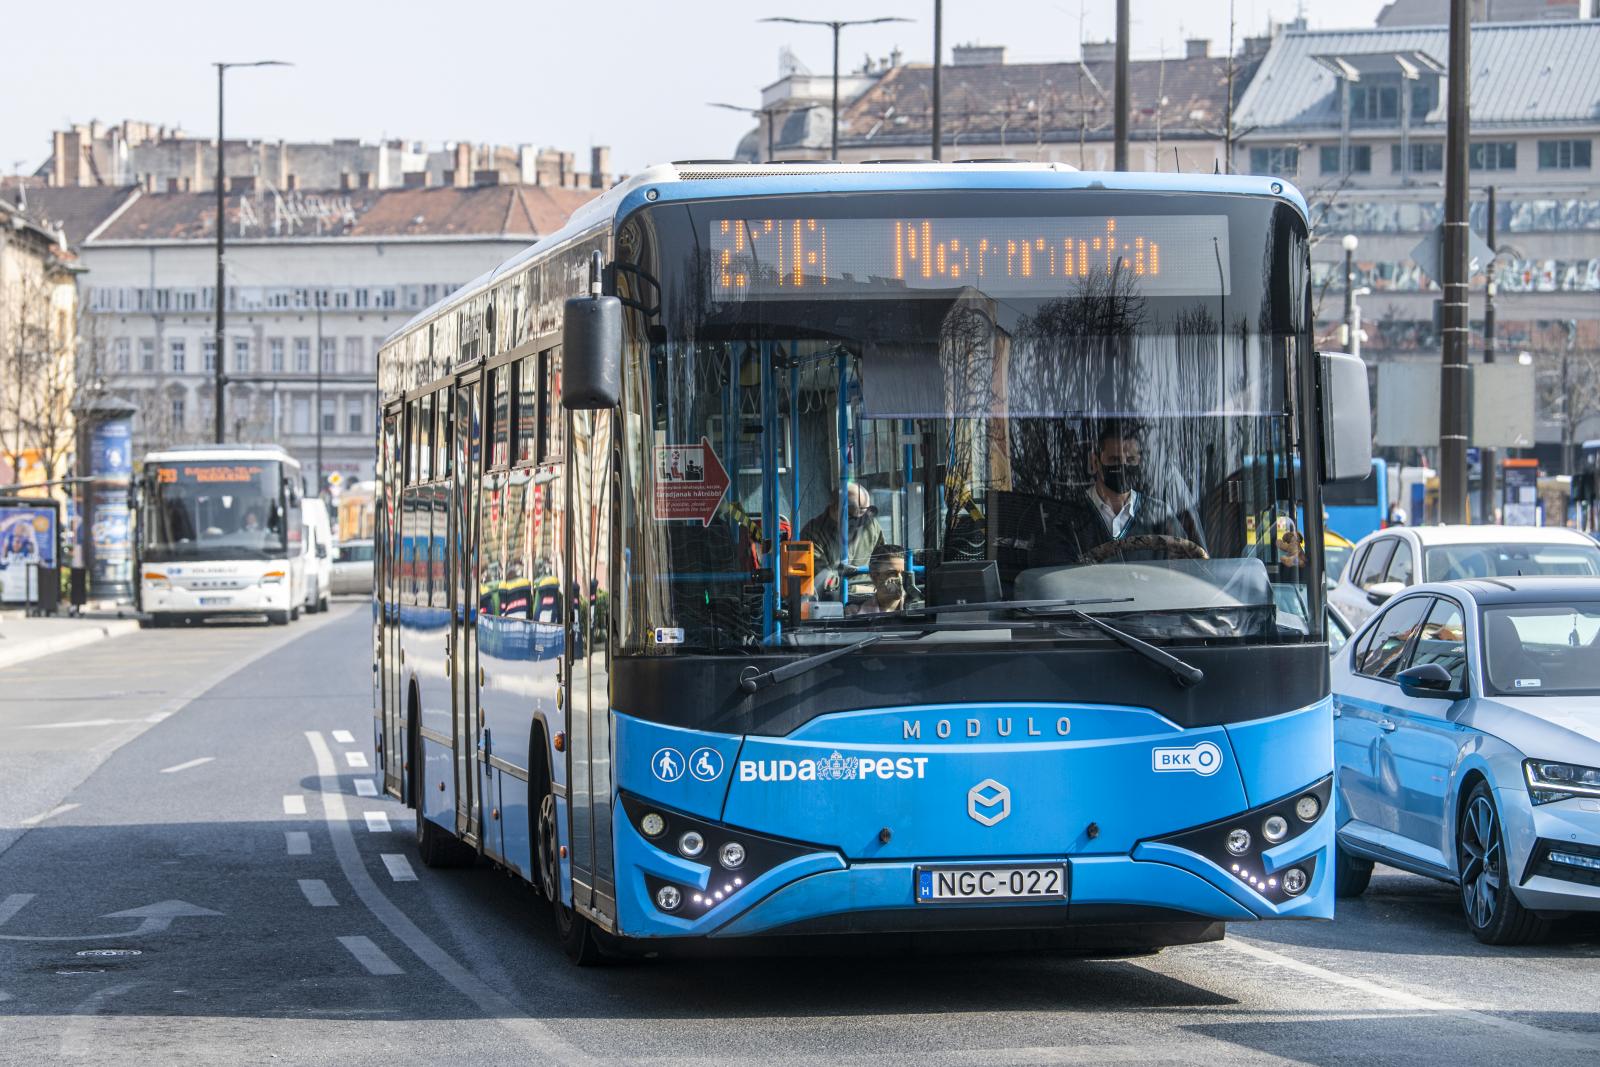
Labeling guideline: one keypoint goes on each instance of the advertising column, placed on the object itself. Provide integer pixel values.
(107, 527)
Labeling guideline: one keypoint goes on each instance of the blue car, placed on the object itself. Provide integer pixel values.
(1467, 748)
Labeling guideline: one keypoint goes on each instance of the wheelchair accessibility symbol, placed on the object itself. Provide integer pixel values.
(705, 764)
(667, 764)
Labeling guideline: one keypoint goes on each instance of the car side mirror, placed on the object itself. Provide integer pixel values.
(591, 349)
(1425, 680)
(1382, 591)
(1346, 418)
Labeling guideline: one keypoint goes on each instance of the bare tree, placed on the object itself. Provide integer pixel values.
(38, 375)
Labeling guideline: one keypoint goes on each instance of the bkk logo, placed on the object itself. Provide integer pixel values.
(1204, 759)
(835, 768)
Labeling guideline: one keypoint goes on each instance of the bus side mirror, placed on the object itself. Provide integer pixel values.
(591, 353)
(1346, 418)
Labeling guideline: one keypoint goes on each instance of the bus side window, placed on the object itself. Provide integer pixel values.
(549, 405)
(425, 441)
(500, 413)
(413, 417)
(527, 413)
(441, 440)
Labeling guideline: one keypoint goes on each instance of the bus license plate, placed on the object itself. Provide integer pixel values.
(206, 601)
(938, 885)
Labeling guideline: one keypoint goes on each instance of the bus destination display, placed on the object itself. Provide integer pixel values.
(1157, 255)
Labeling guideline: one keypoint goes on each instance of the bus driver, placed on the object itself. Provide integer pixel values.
(1113, 512)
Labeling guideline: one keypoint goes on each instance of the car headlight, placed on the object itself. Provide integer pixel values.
(1549, 781)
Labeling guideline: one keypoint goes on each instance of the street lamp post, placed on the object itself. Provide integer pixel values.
(938, 62)
(1350, 242)
(767, 115)
(219, 378)
(835, 25)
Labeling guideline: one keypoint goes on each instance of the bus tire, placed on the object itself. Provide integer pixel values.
(276, 618)
(1350, 874)
(575, 933)
(294, 613)
(322, 602)
(437, 847)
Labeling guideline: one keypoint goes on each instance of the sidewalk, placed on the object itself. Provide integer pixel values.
(23, 638)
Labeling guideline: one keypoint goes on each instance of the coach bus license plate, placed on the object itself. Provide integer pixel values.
(938, 885)
(208, 600)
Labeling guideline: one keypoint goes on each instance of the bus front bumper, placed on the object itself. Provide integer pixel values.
(257, 598)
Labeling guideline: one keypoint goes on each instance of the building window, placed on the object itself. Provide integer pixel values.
(208, 354)
(178, 422)
(1424, 157)
(120, 355)
(275, 354)
(1374, 103)
(1564, 155)
(1360, 159)
(176, 347)
(353, 418)
(330, 416)
(1283, 161)
(352, 356)
(302, 355)
(147, 354)
(241, 353)
(301, 414)
(1492, 155)
(328, 353)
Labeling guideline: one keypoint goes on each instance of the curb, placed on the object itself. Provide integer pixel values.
(87, 635)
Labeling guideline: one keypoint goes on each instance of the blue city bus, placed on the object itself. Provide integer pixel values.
(739, 578)
(1357, 508)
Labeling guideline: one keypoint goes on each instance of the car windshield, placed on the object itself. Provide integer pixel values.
(1543, 649)
(1448, 563)
(213, 509)
(1334, 557)
(355, 553)
(944, 411)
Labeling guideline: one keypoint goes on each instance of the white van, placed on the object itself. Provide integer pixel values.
(318, 544)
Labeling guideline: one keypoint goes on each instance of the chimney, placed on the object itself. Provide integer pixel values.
(600, 167)
(461, 175)
(1099, 51)
(58, 159)
(1196, 48)
(368, 180)
(347, 181)
(291, 181)
(977, 55)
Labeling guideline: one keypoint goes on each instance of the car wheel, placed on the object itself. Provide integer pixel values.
(1350, 873)
(1493, 911)
(575, 932)
(322, 603)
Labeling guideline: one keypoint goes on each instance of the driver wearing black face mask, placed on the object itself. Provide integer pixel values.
(1113, 508)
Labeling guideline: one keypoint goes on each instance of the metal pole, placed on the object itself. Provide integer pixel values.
(833, 151)
(1120, 105)
(318, 417)
(218, 379)
(1488, 459)
(1454, 369)
(1349, 290)
(938, 62)
(1567, 425)
(772, 122)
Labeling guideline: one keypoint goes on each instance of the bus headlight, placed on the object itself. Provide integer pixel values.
(691, 844)
(1294, 881)
(272, 577)
(1275, 829)
(157, 580)
(1307, 808)
(1239, 841)
(652, 824)
(668, 898)
(732, 855)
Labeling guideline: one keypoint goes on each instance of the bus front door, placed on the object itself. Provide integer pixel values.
(465, 468)
(387, 532)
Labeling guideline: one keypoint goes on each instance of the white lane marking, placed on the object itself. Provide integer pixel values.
(79, 1037)
(13, 903)
(545, 1043)
(185, 766)
(294, 804)
(317, 893)
(356, 759)
(365, 787)
(370, 956)
(298, 842)
(76, 724)
(1402, 1000)
(377, 821)
(59, 809)
(344, 737)
(399, 867)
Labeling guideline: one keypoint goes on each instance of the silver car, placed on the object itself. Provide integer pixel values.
(352, 568)
(1467, 748)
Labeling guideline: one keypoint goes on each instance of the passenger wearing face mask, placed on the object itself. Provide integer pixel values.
(1113, 508)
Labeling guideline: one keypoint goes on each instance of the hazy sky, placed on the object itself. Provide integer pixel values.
(629, 73)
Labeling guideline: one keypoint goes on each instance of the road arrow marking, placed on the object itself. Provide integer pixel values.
(153, 919)
(59, 809)
(186, 766)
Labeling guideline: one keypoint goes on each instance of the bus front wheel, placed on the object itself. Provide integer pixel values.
(277, 618)
(575, 932)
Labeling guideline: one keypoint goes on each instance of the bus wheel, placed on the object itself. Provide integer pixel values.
(1350, 874)
(573, 931)
(277, 618)
(294, 613)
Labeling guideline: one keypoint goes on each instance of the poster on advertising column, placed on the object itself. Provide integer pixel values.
(28, 541)
(1520, 506)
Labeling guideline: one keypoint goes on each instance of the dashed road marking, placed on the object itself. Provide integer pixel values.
(186, 766)
(59, 809)
(344, 737)
(370, 956)
(298, 842)
(13, 903)
(294, 804)
(317, 893)
(377, 821)
(399, 867)
(356, 759)
(366, 787)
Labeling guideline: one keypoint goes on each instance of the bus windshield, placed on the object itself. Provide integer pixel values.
(213, 510)
(1081, 403)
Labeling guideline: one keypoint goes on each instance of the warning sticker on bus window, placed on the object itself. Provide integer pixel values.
(690, 482)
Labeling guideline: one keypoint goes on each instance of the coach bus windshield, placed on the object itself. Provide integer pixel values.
(1063, 402)
(213, 510)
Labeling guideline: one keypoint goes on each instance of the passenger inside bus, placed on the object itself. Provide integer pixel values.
(865, 538)
(889, 589)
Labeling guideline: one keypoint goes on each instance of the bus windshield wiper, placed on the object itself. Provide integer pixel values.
(1183, 674)
(1028, 607)
(753, 679)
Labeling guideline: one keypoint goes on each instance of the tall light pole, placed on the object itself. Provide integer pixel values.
(1119, 150)
(1453, 378)
(768, 116)
(1349, 243)
(1486, 454)
(219, 378)
(938, 63)
(835, 25)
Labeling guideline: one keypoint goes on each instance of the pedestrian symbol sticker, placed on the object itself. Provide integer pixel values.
(705, 764)
(667, 764)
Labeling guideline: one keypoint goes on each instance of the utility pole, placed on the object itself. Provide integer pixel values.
(219, 378)
(1487, 493)
(1120, 94)
(1349, 243)
(835, 25)
(938, 62)
(1453, 368)
(317, 294)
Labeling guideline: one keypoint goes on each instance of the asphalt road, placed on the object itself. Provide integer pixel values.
(202, 809)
